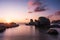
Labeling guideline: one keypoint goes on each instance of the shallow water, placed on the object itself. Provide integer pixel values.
(24, 32)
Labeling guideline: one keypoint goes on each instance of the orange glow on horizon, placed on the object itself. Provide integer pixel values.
(9, 20)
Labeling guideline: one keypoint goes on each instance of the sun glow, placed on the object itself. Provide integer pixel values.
(8, 20)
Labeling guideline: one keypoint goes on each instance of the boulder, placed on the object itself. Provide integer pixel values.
(52, 32)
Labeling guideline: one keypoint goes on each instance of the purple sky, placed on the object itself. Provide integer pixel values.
(18, 9)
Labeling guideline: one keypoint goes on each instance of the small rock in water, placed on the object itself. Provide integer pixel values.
(52, 32)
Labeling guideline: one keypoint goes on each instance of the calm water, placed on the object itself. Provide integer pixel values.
(24, 32)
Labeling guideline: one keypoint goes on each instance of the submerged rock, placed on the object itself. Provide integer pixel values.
(52, 32)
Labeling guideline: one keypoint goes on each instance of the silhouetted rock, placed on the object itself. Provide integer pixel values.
(31, 22)
(56, 21)
(54, 26)
(36, 23)
(2, 27)
(52, 32)
(42, 22)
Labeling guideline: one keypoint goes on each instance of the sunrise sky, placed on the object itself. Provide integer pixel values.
(17, 10)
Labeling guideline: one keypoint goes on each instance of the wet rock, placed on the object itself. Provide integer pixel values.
(52, 32)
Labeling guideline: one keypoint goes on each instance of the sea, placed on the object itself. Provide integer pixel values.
(27, 32)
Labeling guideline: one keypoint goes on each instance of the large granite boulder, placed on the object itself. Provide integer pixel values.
(42, 22)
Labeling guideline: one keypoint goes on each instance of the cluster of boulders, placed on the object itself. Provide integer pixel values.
(43, 23)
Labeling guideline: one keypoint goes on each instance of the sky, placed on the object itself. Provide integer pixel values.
(18, 10)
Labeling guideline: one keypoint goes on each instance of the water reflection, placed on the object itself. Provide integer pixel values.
(42, 35)
(1, 36)
(20, 33)
(24, 32)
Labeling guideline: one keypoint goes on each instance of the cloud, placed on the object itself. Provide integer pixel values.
(34, 2)
(38, 9)
(37, 4)
(57, 13)
(30, 3)
(30, 12)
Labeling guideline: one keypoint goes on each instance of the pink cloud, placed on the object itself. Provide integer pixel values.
(57, 13)
(30, 3)
(37, 4)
